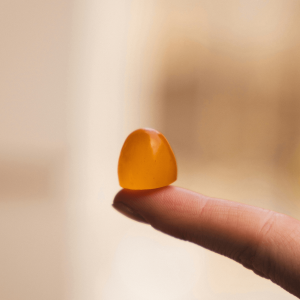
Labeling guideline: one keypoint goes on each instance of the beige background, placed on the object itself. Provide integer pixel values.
(219, 78)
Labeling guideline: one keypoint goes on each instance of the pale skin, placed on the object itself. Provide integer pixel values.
(264, 241)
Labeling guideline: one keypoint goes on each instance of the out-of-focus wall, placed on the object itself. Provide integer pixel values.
(235, 95)
(227, 82)
(34, 54)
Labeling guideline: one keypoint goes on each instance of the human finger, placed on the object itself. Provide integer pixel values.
(264, 241)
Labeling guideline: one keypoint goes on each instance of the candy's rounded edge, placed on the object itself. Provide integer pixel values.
(128, 136)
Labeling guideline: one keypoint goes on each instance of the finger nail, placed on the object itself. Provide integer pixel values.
(128, 212)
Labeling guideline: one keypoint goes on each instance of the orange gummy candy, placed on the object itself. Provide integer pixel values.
(146, 161)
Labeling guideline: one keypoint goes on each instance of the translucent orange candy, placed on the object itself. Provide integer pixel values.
(146, 161)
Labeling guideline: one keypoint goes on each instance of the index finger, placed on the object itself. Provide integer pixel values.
(264, 241)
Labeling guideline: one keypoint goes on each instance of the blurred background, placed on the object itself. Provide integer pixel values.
(220, 79)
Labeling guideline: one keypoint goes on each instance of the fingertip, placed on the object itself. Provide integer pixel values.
(118, 196)
(133, 195)
(128, 212)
